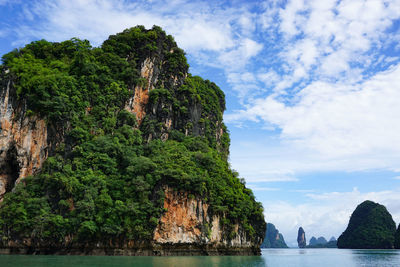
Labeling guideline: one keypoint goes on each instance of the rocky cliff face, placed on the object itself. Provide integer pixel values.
(168, 104)
(187, 220)
(301, 238)
(273, 239)
(187, 227)
(137, 103)
(23, 138)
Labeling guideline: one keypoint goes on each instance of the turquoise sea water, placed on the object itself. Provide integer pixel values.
(270, 257)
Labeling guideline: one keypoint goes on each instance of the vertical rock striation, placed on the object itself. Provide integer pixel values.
(188, 220)
(301, 238)
(23, 138)
(273, 239)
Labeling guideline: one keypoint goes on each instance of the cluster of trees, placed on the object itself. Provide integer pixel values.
(105, 180)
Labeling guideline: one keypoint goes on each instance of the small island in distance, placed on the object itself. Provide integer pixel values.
(371, 226)
(273, 239)
(321, 242)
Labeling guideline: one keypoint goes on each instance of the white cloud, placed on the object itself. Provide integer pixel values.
(291, 20)
(237, 58)
(331, 35)
(197, 35)
(197, 26)
(325, 214)
(330, 103)
(340, 120)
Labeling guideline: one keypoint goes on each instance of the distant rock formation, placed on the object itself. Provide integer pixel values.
(273, 239)
(321, 240)
(322, 243)
(397, 238)
(370, 227)
(313, 241)
(301, 238)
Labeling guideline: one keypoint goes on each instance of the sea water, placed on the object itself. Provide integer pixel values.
(270, 258)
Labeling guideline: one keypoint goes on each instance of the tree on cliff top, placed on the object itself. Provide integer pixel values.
(370, 227)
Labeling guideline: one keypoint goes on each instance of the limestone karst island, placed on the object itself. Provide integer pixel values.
(118, 150)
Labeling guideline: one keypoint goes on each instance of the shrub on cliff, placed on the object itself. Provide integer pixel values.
(370, 227)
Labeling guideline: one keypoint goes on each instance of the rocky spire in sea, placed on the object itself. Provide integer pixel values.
(301, 238)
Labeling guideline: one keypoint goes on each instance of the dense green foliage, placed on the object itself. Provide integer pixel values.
(370, 227)
(270, 240)
(105, 180)
(397, 238)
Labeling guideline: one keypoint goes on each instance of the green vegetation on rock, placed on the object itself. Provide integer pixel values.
(273, 239)
(104, 177)
(321, 242)
(370, 227)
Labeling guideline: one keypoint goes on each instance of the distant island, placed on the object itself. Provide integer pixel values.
(314, 242)
(321, 242)
(273, 239)
(371, 226)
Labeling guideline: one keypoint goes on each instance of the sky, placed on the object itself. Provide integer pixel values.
(312, 90)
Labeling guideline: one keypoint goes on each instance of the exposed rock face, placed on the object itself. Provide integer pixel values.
(137, 103)
(186, 228)
(23, 139)
(301, 238)
(370, 227)
(187, 220)
(273, 239)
